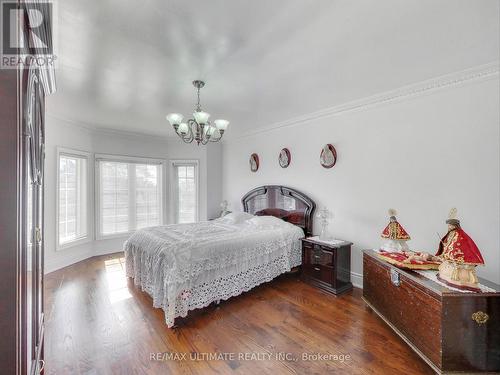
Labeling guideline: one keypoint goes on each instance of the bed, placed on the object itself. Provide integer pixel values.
(184, 267)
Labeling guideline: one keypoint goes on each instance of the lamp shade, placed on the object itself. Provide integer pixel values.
(221, 124)
(183, 128)
(174, 118)
(210, 130)
(201, 117)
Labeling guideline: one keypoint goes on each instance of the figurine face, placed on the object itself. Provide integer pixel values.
(451, 227)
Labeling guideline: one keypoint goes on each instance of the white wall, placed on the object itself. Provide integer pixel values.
(60, 133)
(421, 154)
(77, 138)
(214, 179)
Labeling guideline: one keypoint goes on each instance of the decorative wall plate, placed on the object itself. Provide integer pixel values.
(328, 156)
(284, 158)
(254, 162)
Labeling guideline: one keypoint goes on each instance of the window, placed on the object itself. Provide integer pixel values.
(185, 191)
(72, 201)
(129, 194)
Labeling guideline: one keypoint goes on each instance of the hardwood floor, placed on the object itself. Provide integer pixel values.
(99, 323)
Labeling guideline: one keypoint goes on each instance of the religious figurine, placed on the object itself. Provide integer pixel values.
(395, 234)
(460, 257)
(396, 251)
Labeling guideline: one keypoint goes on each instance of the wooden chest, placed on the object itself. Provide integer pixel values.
(451, 331)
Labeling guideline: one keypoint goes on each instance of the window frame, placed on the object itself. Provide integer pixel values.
(97, 188)
(61, 151)
(173, 190)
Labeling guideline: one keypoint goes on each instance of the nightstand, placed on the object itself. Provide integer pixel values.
(326, 265)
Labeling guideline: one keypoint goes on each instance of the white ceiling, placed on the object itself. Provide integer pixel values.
(126, 64)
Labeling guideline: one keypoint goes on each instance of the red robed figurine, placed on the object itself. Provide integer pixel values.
(460, 257)
(395, 250)
(395, 231)
(395, 234)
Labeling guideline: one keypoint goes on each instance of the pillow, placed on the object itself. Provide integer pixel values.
(277, 212)
(295, 217)
(267, 222)
(236, 217)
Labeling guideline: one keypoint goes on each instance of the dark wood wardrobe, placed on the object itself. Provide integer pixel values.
(22, 139)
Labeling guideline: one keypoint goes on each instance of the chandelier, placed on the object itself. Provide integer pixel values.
(199, 129)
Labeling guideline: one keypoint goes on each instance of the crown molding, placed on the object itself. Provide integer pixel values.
(107, 131)
(467, 76)
(132, 135)
(71, 123)
(427, 87)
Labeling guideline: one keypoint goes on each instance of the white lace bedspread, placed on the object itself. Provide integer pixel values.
(189, 266)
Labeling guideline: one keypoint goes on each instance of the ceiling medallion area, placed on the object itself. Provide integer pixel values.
(198, 128)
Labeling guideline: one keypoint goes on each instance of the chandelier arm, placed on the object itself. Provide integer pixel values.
(194, 127)
(204, 141)
(204, 138)
(216, 139)
(184, 138)
(187, 138)
(207, 136)
(191, 134)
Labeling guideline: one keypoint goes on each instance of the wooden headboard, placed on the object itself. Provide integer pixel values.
(283, 202)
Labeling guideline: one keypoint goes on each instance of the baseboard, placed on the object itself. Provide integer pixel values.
(64, 260)
(357, 280)
(106, 252)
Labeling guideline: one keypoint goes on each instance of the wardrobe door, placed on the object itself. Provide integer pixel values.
(33, 280)
(22, 96)
(27, 277)
(39, 231)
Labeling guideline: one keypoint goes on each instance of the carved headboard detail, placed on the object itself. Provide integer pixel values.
(283, 202)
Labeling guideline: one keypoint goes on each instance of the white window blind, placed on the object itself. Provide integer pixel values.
(73, 198)
(147, 195)
(185, 191)
(114, 197)
(129, 195)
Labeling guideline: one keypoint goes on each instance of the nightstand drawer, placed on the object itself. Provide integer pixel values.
(327, 265)
(317, 255)
(319, 273)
